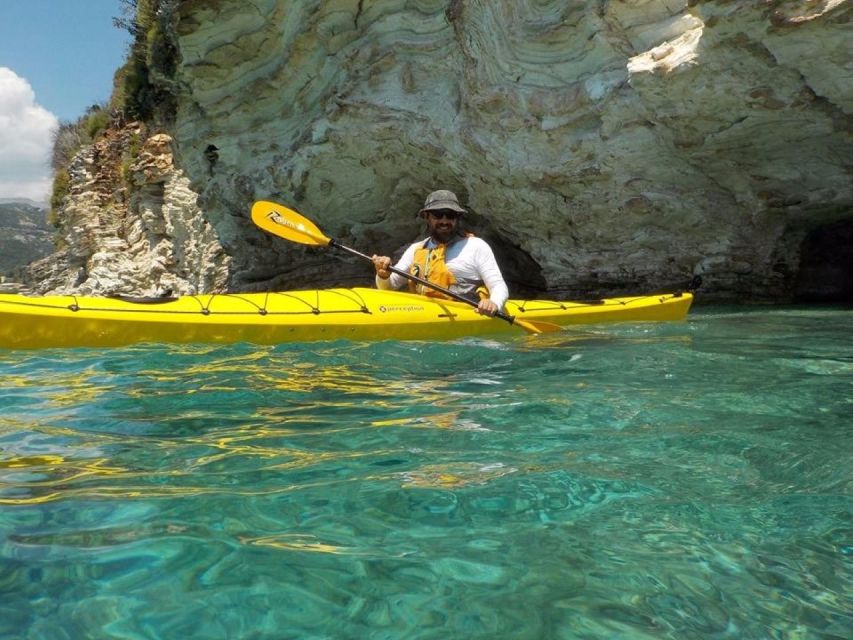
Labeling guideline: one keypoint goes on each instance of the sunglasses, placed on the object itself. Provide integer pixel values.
(444, 213)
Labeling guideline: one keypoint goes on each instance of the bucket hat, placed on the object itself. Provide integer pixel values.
(442, 199)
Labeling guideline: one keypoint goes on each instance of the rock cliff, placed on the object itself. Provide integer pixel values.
(602, 146)
(130, 224)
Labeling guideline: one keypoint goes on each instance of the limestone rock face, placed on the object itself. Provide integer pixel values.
(601, 146)
(140, 234)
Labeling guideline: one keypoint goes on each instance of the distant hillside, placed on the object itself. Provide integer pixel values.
(24, 234)
(32, 203)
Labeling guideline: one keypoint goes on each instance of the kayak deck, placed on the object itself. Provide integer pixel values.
(295, 316)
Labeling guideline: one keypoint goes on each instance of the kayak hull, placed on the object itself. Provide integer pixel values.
(298, 316)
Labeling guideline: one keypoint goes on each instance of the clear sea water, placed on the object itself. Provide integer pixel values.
(686, 480)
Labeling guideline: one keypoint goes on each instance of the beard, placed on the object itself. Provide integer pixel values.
(443, 235)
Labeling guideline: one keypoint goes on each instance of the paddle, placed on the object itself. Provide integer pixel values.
(287, 224)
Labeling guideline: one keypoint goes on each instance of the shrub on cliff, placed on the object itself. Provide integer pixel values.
(61, 185)
(97, 119)
(142, 88)
(68, 139)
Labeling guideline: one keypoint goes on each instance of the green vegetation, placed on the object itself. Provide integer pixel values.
(68, 139)
(143, 85)
(129, 157)
(96, 121)
(61, 184)
(142, 90)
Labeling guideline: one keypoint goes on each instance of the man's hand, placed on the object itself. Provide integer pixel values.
(382, 264)
(487, 307)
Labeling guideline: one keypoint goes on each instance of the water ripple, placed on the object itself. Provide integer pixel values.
(647, 481)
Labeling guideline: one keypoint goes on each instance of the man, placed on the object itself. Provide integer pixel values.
(461, 263)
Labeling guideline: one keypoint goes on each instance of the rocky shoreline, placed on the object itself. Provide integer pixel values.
(617, 150)
(139, 234)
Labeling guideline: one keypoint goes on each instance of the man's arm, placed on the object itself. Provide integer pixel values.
(490, 273)
(393, 280)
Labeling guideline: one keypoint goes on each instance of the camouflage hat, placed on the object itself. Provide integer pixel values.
(442, 199)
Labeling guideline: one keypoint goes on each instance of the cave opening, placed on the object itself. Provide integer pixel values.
(826, 265)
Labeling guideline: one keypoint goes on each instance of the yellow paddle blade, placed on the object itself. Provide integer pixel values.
(534, 326)
(287, 224)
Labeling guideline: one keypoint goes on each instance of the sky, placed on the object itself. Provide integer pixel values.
(57, 57)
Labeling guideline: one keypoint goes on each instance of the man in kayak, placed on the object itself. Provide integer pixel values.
(448, 258)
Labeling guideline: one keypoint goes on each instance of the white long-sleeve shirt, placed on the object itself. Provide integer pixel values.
(470, 260)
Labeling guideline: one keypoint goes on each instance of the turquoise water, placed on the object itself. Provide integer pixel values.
(688, 480)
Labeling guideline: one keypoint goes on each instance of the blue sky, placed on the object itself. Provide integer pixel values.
(68, 50)
(57, 57)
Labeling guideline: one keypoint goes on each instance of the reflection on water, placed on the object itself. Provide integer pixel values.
(681, 481)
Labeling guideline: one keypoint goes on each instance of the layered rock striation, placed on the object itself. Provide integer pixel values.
(602, 147)
(131, 225)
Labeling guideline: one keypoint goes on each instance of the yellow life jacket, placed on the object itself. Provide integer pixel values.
(429, 264)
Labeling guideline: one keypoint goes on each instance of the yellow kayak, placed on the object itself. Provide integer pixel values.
(295, 316)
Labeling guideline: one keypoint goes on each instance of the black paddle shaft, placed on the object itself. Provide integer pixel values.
(450, 294)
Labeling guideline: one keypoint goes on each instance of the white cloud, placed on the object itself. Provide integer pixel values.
(26, 139)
